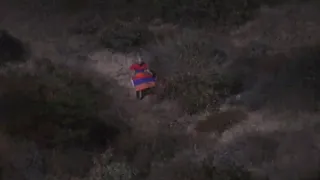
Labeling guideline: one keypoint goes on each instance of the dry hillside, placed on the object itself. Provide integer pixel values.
(240, 94)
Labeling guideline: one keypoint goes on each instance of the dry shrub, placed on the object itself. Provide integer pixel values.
(66, 114)
(142, 151)
(126, 36)
(105, 168)
(55, 106)
(197, 93)
(221, 121)
(191, 66)
(189, 169)
(198, 13)
(282, 82)
(20, 159)
(73, 6)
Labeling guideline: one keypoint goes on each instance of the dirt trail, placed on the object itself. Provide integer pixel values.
(145, 114)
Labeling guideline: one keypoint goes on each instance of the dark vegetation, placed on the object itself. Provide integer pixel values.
(61, 109)
(126, 37)
(195, 78)
(132, 33)
(280, 82)
(11, 48)
(58, 107)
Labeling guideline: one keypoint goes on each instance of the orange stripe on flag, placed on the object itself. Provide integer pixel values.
(142, 75)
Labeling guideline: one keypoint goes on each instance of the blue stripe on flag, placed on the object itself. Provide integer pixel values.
(143, 80)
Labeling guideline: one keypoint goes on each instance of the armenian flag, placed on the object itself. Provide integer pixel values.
(143, 80)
